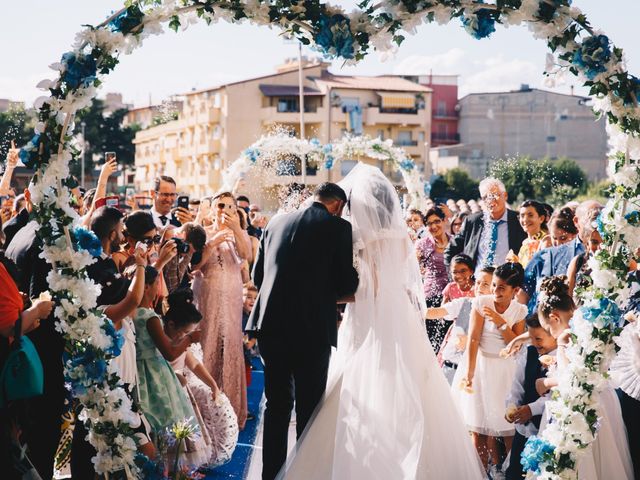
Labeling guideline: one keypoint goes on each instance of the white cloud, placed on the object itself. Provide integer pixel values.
(497, 74)
(447, 63)
(23, 89)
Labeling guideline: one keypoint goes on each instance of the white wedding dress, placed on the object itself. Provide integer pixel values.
(387, 412)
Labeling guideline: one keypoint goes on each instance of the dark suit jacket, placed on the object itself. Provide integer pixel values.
(24, 250)
(469, 238)
(304, 264)
(12, 226)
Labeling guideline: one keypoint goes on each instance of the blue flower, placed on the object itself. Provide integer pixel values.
(592, 55)
(315, 142)
(604, 311)
(127, 20)
(328, 162)
(80, 70)
(427, 189)
(534, 453)
(407, 164)
(633, 218)
(86, 240)
(480, 24)
(334, 36)
(149, 470)
(29, 152)
(117, 338)
(328, 148)
(600, 225)
(253, 154)
(93, 367)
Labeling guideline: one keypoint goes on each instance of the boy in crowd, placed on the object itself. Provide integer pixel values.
(524, 404)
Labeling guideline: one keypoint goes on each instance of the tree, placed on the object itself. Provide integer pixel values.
(15, 124)
(104, 133)
(555, 181)
(460, 184)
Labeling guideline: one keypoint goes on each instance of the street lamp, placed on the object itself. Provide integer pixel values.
(84, 152)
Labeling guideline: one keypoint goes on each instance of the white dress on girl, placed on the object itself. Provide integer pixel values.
(608, 457)
(483, 408)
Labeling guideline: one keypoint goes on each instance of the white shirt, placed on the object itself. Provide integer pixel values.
(517, 393)
(156, 218)
(502, 245)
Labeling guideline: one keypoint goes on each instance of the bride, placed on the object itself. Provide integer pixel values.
(387, 411)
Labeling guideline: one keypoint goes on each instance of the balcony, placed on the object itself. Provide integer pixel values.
(446, 138)
(211, 115)
(411, 147)
(210, 146)
(397, 116)
(312, 114)
(445, 115)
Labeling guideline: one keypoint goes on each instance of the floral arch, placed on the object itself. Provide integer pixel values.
(267, 151)
(575, 47)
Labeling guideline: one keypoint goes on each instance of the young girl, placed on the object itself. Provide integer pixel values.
(484, 379)
(461, 272)
(608, 456)
(458, 310)
(161, 395)
(219, 424)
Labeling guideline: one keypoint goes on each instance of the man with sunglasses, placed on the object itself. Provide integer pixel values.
(488, 236)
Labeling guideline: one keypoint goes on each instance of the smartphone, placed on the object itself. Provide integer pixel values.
(183, 202)
(111, 201)
(108, 156)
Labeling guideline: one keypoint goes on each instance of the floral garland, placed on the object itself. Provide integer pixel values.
(325, 157)
(576, 48)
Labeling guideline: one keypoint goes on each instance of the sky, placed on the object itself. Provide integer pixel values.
(34, 34)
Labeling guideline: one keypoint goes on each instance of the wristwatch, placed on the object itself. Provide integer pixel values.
(503, 327)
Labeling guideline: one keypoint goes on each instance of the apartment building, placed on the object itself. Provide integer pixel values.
(215, 125)
(528, 122)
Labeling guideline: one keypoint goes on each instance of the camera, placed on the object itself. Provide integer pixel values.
(181, 245)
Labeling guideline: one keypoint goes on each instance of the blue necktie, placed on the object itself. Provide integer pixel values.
(493, 242)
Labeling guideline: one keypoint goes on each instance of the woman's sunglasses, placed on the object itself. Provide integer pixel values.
(149, 241)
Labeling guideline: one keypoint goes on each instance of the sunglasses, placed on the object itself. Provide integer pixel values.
(148, 241)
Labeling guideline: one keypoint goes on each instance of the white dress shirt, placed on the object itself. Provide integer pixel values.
(517, 393)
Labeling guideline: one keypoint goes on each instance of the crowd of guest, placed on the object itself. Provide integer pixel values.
(500, 278)
(175, 282)
(175, 278)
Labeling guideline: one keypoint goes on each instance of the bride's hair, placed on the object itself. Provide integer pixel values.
(554, 295)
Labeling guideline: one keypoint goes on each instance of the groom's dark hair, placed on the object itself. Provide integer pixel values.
(330, 191)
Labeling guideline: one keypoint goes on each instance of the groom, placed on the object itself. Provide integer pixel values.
(304, 266)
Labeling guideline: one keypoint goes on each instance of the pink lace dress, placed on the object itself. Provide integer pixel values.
(218, 296)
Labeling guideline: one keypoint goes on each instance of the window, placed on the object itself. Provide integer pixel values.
(217, 132)
(404, 136)
(420, 137)
(350, 102)
(442, 108)
(346, 166)
(287, 105)
(217, 100)
(380, 134)
(551, 139)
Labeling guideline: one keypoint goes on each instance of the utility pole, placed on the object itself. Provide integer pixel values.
(84, 154)
(301, 108)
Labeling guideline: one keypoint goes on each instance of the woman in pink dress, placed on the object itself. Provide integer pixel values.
(218, 295)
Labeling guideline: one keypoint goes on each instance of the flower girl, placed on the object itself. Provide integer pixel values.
(212, 407)
(608, 456)
(484, 378)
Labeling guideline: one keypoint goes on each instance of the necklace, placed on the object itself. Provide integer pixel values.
(442, 244)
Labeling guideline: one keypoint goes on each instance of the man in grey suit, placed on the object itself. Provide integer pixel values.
(304, 266)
